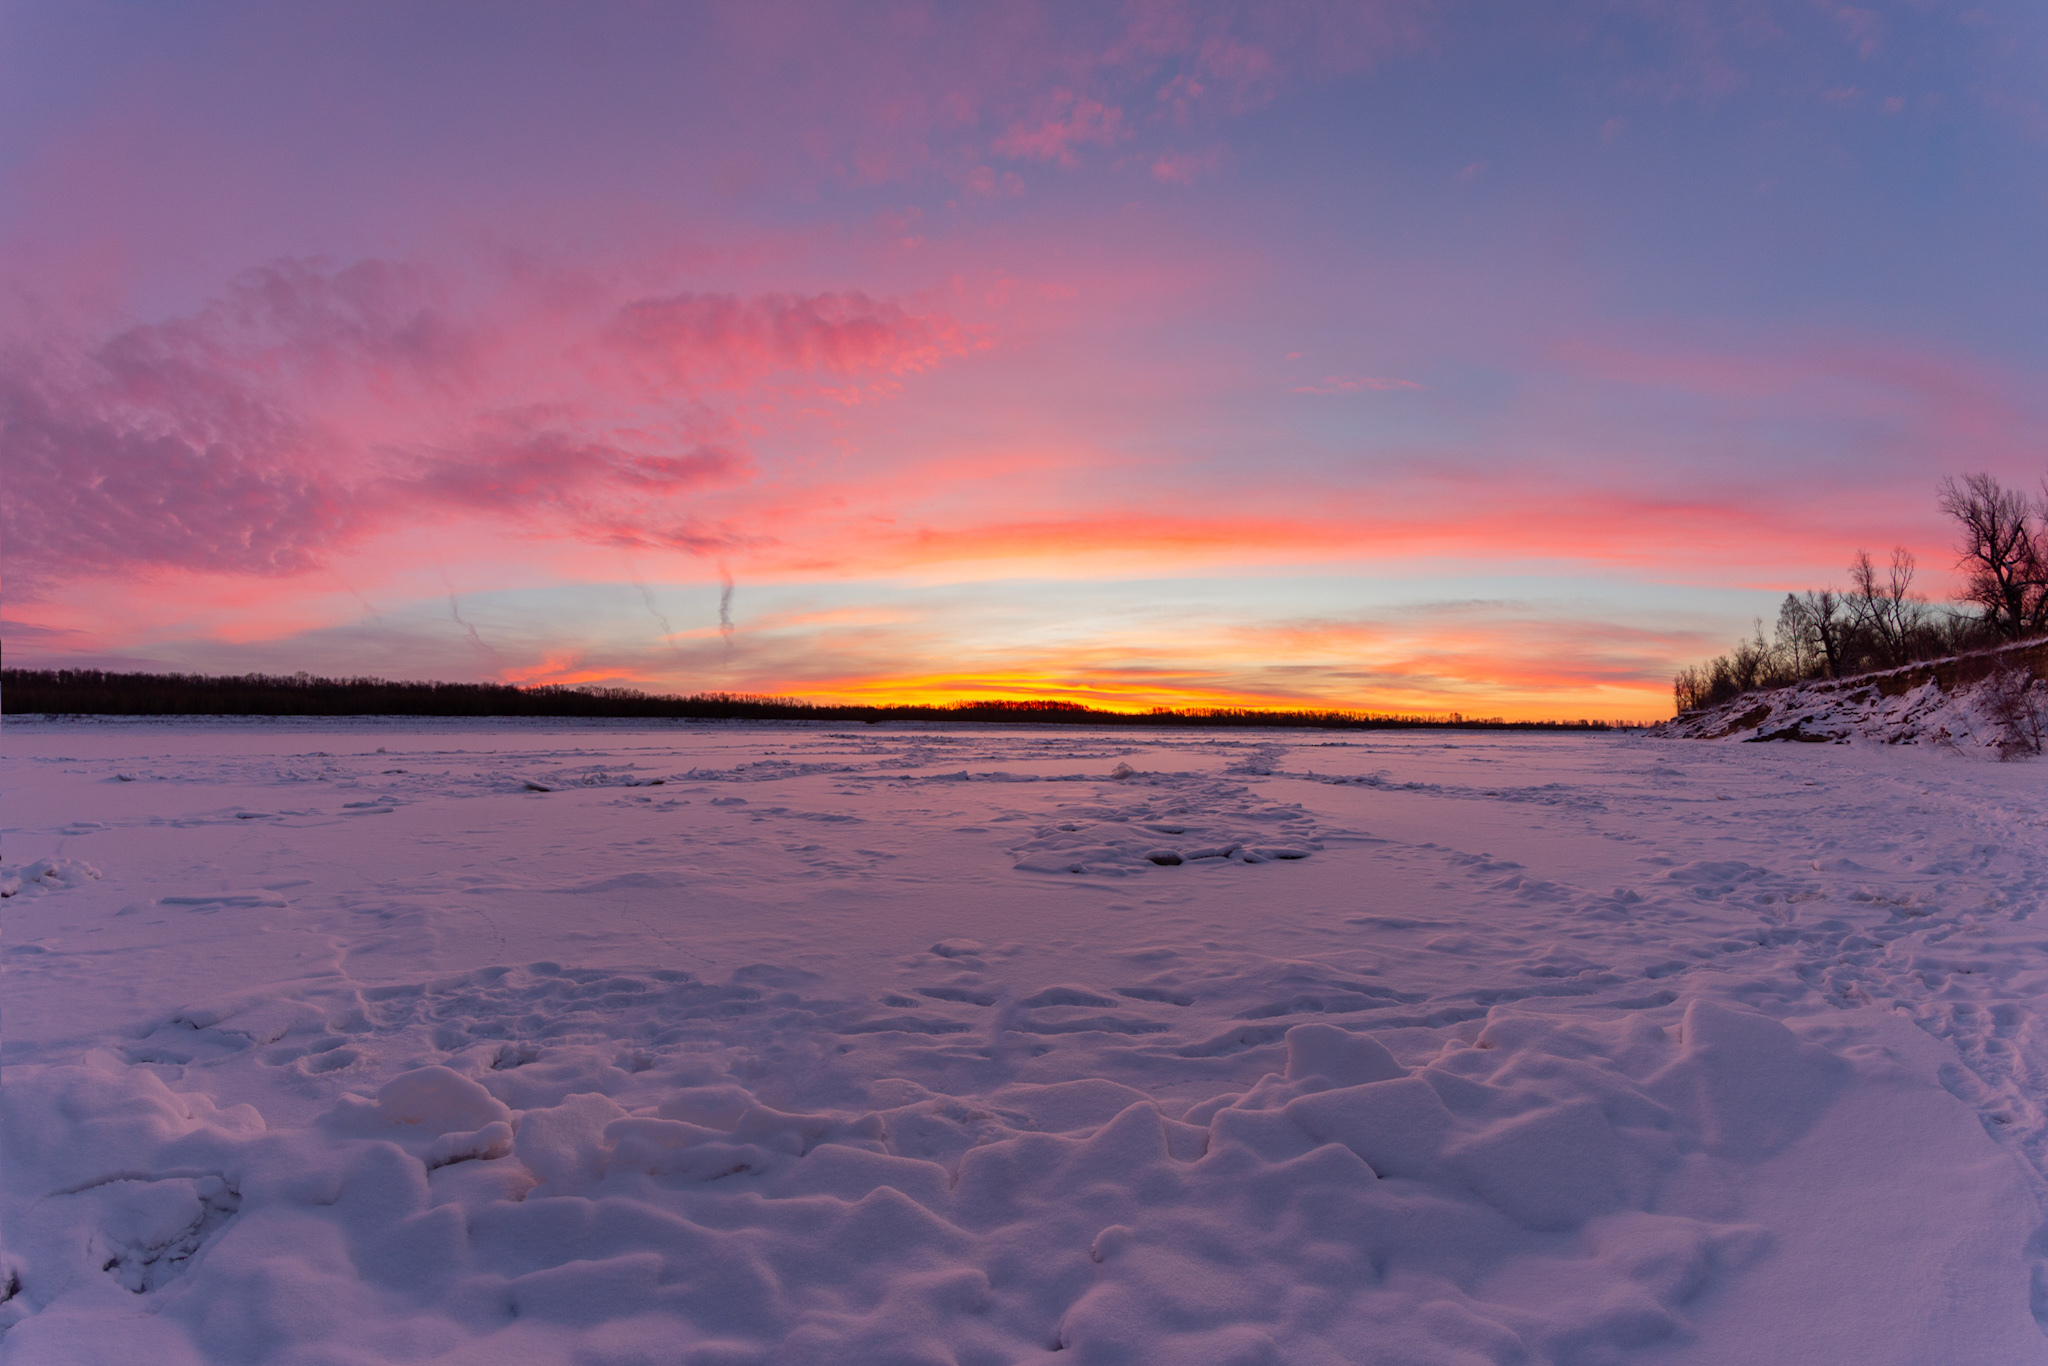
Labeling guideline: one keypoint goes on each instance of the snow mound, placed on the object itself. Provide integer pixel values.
(46, 875)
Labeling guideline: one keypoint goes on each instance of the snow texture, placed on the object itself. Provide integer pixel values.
(752, 1044)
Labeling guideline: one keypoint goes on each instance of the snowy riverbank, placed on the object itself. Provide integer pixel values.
(1991, 704)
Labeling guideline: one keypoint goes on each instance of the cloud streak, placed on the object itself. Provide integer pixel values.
(1363, 384)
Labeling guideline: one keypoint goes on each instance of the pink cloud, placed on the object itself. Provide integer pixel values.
(1065, 123)
(116, 460)
(740, 339)
(1932, 402)
(1863, 28)
(1487, 517)
(1179, 97)
(1247, 73)
(1184, 168)
(984, 182)
(306, 408)
(548, 474)
(1051, 89)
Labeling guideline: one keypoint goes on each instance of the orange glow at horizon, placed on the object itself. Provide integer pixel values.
(1523, 695)
(1633, 705)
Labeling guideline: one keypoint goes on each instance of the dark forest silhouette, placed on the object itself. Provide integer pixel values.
(104, 693)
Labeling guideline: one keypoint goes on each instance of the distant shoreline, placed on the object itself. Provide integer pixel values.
(56, 694)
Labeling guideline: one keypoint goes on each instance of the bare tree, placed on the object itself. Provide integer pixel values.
(2002, 554)
(1795, 637)
(1752, 663)
(1908, 610)
(1885, 610)
(1820, 626)
(1865, 604)
(1689, 689)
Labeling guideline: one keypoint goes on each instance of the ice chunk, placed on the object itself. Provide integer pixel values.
(1398, 1127)
(1061, 1106)
(1747, 1081)
(1342, 1057)
(46, 875)
(563, 1145)
(714, 1107)
(1553, 1168)
(420, 1105)
(492, 1140)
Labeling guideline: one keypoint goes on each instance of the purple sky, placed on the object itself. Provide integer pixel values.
(1403, 356)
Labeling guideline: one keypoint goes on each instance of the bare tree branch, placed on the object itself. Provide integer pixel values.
(2001, 553)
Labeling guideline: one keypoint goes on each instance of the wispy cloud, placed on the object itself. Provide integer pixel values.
(1067, 123)
(1361, 384)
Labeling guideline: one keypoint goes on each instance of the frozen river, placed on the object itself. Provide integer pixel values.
(416, 1041)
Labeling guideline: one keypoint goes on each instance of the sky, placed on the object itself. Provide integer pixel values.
(1402, 357)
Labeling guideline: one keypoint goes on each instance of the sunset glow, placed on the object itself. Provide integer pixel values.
(1392, 357)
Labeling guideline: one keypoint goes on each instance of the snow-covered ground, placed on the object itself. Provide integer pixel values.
(347, 1042)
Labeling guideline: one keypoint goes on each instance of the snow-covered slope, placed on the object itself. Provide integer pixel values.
(724, 1044)
(1952, 703)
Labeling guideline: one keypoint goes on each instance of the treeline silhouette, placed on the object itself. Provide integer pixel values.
(1881, 623)
(99, 692)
